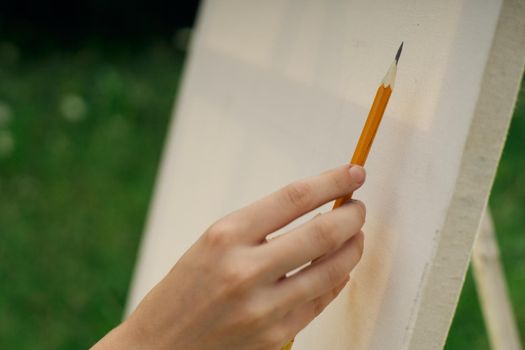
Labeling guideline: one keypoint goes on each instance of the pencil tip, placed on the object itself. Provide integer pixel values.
(398, 54)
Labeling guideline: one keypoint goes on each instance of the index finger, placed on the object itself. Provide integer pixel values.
(278, 209)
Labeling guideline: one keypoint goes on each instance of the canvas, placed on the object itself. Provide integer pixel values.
(278, 90)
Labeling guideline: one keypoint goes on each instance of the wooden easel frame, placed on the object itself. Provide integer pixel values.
(492, 289)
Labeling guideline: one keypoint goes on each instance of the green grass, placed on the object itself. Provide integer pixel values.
(74, 192)
(78, 159)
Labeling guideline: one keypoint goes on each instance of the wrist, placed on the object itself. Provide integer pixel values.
(126, 335)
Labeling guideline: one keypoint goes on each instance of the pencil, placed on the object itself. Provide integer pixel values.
(372, 122)
(370, 129)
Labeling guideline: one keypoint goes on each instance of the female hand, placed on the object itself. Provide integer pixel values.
(230, 289)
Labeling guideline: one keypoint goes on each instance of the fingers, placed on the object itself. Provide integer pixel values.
(320, 277)
(283, 206)
(319, 236)
(302, 315)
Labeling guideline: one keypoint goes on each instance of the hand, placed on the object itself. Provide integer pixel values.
(230, 290)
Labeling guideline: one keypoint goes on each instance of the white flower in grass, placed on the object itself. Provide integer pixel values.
(73, 107)
(7, 143)
(5, 114)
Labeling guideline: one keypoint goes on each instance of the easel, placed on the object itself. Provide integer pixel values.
(269, 84)
(492, 289)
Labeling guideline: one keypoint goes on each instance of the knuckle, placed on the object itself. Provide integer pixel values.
(299, 194)
(324, 234)
(235, 278)
(239, 278)
(220, 233)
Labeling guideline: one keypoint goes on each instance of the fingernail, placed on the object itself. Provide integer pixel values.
(357, 173)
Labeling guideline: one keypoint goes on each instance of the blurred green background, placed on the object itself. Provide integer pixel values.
(82, 125)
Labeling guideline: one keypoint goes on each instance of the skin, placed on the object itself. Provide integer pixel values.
(232, 289)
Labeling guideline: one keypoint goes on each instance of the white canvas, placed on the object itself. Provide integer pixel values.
(278, 90)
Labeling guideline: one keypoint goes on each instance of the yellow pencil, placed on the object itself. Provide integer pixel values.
(370, 129)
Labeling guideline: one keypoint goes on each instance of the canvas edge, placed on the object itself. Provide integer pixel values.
(500, 85)
(134, 294)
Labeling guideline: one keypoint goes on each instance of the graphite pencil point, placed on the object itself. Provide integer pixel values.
(399, 52)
